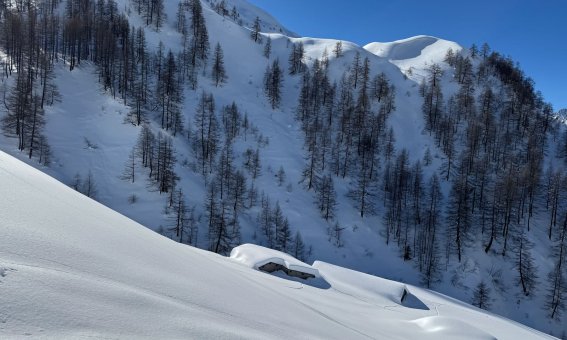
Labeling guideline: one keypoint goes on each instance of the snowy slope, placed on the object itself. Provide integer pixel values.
(427, 48)
(86, 132)
(414, 55)
(75, 269)
(248, 13)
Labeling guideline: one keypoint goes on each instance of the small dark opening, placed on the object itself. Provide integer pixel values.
(271, 267)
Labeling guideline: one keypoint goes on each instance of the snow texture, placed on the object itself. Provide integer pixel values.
(76, 269)
(84, 270)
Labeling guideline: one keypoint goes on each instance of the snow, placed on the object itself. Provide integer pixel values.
(76, 269)
(411, 48)
(450, 327)
(157, 276)
(248, 13)
(255, 257)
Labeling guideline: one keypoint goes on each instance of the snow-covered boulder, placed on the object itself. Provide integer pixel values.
(270, 260)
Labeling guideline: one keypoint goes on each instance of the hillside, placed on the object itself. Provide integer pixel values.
(337, 161)
(77, 269)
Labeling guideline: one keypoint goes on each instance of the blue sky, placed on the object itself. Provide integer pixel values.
(533, 33)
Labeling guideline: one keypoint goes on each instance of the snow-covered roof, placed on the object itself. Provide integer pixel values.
(254, 256)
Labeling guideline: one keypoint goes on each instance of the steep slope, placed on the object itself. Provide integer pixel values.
(77, 269)
(247, 14)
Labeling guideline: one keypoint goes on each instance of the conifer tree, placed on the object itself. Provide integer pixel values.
(256, 28)
(129, 172)
(199, 38)
(338, 50)
(336, 235)
(218, 70)
(296, 57)
(273, 81)
(524, 263)
(326, 197)
(299, 247)
(268, 48)
(481, 296)
(557, 281)
(206, 137)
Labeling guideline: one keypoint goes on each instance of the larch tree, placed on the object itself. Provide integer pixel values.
(298, 250)
(481, 296)
(218, 71)
(268, 48)
(256, 28)
(524, 262)
(338, 49)
(273, 82)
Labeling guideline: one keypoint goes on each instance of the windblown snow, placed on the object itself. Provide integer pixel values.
(72, 268)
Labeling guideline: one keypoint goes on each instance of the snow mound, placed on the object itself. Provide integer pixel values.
(254, 256)
(451, 328)
(248, 13)
(417, 51)
(401, 49)
(366, 287)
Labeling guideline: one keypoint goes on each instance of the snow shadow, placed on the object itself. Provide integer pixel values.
(317, 282)
(411, 301)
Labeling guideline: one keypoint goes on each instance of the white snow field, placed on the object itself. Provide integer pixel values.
(72, 268)
(121, 276)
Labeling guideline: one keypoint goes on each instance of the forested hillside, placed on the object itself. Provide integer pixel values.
(209, 122)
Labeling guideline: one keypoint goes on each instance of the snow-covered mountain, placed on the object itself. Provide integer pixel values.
(76, 269)
(91, 136)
